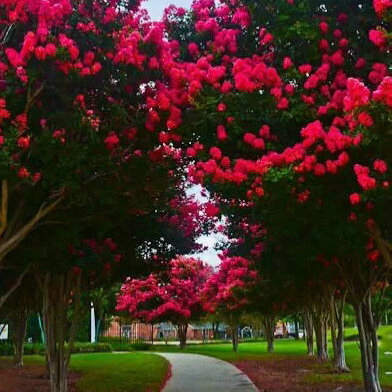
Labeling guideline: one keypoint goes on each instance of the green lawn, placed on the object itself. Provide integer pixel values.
(107, 372)
(284, 348)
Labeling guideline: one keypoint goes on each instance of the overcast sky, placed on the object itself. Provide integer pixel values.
(210, 255)
(155, 7)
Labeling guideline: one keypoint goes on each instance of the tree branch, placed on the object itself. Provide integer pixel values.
(31, 98)
(15, 221)
(15, 286)
(384, 246)
(16, 238)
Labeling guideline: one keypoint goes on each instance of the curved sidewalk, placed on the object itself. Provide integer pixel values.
(199, 373)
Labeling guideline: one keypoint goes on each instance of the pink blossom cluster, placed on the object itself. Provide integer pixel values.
(95, 256)
(175, 298)
(190, 216)
(227, 289)
(382, 6)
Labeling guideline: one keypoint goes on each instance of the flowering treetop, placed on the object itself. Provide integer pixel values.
(227, 290)
(174, 297)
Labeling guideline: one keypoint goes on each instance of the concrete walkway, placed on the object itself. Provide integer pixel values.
(199, 373)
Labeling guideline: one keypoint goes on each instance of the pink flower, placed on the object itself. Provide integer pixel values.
(249, 138)
(258, 143)
(381, 6)
(23, 173)
(323, 27)
(221, 107)
(111, 141)
(378, 38)
(50, 50)
(319, 169)
(216, 153)
(380, 166)
(164, 137)
(361, 63)
(305, 69)
(384, 91)
(355, 198)
(357, 95)
(287, 63)
(365, 119)
(193, 49)
(24, 142)
(221, 132)
(282, 104)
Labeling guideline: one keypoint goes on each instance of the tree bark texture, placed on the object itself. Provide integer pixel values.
(60, 292)
(269, 323)
(309, 332)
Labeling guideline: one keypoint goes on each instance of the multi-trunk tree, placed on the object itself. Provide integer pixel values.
(226, 292)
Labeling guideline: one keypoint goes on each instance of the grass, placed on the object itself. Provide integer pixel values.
(106, 372)
(285, 348)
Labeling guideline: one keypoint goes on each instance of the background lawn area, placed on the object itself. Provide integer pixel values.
(107, 372)
(285, 348)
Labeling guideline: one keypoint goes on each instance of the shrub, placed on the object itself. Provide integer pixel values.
(6, 348)
(125, 345)
(80, 348)
(117, 343)
(34, 349)
(141, 346)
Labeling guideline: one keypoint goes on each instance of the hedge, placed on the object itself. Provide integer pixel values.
(6, 348)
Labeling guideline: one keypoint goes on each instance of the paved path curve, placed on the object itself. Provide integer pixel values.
(199, 373)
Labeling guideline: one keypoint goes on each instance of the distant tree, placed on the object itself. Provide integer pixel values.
(174, 296)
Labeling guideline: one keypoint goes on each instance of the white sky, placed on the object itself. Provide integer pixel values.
(155, 7)
(210, 255)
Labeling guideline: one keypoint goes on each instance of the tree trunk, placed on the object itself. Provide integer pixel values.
(269, 323)
(320, 323)
(368, 344)
(59, 291)
(215, 330)
(234, 337)
(18, 323)
(308, 324)
(182, 330)
(296, 328)
(337, 333)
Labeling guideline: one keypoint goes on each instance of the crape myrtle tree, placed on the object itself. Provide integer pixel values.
(226, 292)
(296, 96)
(78, 268)
(267, 296)
(290, 283)
(76, 80)
(317, 289)
(173, 296)
(73, 262)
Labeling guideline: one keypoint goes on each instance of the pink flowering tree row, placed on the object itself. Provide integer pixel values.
(296, 127)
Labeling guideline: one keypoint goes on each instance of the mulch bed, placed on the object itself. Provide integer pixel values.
(28, 379)
(290, 375)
